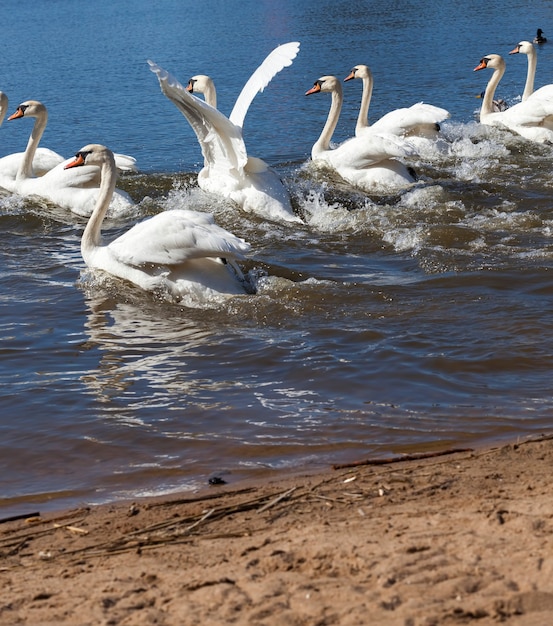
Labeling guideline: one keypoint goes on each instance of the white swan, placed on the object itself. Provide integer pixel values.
(525, 47)
(44, 159)
(182, 252)
(73, 190)
(532, 118)
(419, 121)
(228, 169)
(370, 161)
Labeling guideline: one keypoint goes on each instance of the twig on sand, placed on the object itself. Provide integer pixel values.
(177, 530)
(398, 459)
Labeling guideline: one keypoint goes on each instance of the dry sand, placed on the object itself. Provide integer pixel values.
(462, 538)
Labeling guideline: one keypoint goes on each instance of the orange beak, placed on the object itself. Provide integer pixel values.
(315, 89)
(18, 113)
(350, 76)
(515, 50)
(482, 66)
(76, 162)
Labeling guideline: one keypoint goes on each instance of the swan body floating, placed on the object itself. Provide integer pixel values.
(419, 121)
(74, 190)
(532, 118)
(369, 162)
(43, 161)
(179, 251)
(539, 38)
(525, 47)
(228, 169)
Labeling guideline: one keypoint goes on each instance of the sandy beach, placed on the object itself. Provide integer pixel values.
(457, 538)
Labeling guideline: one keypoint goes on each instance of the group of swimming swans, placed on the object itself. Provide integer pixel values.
(372, 159)
(184, 252)
(532, 117)
(40, 172)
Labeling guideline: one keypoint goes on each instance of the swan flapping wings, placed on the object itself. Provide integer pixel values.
(220, 140)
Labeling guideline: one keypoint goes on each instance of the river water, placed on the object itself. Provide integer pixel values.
(382, 325)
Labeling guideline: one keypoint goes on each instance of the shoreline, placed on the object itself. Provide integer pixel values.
(441, 539)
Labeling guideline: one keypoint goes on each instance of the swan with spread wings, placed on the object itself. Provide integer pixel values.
(229, 170)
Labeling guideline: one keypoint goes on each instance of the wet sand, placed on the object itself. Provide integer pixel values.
(459, 538)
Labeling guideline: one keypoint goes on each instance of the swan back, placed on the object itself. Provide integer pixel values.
(420, 120)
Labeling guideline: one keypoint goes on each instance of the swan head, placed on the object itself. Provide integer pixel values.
(29, 108)
(524, 47)
(493, 61)
(92, 154)
(325, 83)
(199, 84)
(204, 85)
(359, 71)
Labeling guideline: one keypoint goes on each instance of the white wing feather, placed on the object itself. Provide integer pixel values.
(173, 237)
(220, 141)
(277, 60)
(409, 119)
(125, 163)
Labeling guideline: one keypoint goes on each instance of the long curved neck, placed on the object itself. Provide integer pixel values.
(210, 94)
(3, 106)
(487, 102)
(363, 117)
(531, 74)
(92, 233)
(323, 143)
(26, 165)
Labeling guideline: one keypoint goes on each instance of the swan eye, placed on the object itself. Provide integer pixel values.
(484, 61)
(83, 154)
(23, 108)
